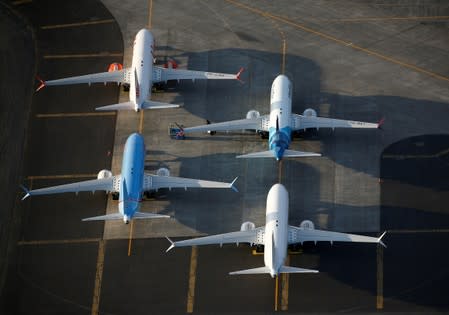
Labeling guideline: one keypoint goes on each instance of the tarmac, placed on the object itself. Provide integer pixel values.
(356, 61)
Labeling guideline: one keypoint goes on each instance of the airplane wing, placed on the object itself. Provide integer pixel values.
(166, 74)
(301, 235)
(252, 236)
(119, 76)
(241, 124)
(155, 182)
(304, 122)
(107, 184)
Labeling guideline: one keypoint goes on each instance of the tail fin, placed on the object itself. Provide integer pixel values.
(270, 154)
(157, 105)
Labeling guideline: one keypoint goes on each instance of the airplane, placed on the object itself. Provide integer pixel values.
(129, 186)
(280, 123)
(276, 235)
(140, 76)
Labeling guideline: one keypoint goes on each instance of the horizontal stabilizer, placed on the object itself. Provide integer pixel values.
(147, 215)
(270, 154)
(119, 106)
(252, 271)
(107, 217)
(291, 153)
(157, 105)
(288, 269)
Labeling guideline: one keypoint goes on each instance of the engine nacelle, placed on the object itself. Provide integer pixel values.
(309, 112)
(252, 114)
(115, 67)
(104, 174)
(247, 226)
(163, 172)
(170, 64)
(307, 225)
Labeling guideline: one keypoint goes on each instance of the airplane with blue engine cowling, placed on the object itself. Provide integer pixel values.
(129, 186)
(280, 123)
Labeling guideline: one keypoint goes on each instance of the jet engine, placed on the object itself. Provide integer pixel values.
(247, 226)
(170, 64)
(252, 114)
(104, 174)
(163, 172)
(115, 67)
(307, 225)
(309, 112)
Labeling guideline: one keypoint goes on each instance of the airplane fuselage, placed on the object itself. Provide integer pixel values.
(142, 68)
(280, 116)
(276, 229)
(132, 175)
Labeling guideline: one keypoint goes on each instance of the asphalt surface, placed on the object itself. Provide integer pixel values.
(367, 181)
(17, 64)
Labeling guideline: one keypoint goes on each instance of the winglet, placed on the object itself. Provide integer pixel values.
(237, 76)
(232, 185)
(380, 123)
(42, 85)
(171, 246)
(380, 239)
(27, 192)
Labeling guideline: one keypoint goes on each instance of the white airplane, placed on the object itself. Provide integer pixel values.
(129, 187)
(276, 235)
(140, 76)
(280, 123)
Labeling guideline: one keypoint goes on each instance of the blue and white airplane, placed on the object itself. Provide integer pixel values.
(280, 123)
(141, 76)
(130, 184)
(276, 235)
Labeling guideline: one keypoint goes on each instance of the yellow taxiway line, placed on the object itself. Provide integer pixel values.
(280, 171)
(284, 287)
(141, 122)
(192, 279)
(60, 115)
(130, 237)
(150, 13)
(56, 26)
(338, 41)
(19, 2)
(102, 54)
(391, 18)
(98, 278)
(56, 242)
(284, 46)
(380, 278)
(276, 293)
